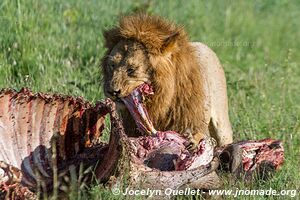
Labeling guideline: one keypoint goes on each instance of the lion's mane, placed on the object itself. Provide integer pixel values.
(178, 103)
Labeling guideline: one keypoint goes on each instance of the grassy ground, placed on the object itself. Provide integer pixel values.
(53, 46)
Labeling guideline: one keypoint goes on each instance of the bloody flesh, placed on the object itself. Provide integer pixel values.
(159, 141)
(253, 152)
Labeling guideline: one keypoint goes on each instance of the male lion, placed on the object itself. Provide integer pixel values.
(189, 83)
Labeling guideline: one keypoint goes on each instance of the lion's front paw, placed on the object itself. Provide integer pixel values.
(192, 143)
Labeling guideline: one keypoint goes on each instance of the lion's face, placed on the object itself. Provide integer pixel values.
(126, 67)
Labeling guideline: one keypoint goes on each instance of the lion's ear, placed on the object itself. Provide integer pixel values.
(170, 43)
(111, 37)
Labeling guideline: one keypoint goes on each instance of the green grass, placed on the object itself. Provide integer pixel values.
(56, 46)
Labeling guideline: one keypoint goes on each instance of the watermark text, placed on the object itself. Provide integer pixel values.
(197, 192)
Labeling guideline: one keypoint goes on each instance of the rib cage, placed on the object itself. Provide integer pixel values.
(34, 127)
(31, 123)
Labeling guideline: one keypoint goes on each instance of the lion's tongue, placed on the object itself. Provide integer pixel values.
(134, 103)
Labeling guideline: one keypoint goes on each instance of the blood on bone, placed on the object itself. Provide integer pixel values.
(255, 152)
(134, 103)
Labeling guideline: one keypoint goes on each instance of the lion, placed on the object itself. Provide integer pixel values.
(188, 80)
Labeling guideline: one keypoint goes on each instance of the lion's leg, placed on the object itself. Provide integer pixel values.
(220, 129)
(219, 124)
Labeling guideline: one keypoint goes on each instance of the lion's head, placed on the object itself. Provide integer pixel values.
(150, 49)
(126, 67)
(138, 50)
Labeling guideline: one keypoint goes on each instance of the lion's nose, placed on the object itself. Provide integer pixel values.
(117, 92)
(114, 92)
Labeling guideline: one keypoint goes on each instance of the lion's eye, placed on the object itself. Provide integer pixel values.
(112, 66)
(130, 71)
